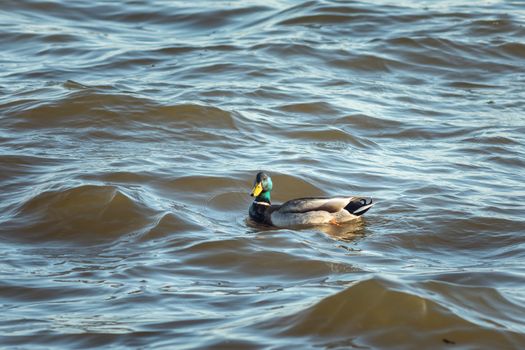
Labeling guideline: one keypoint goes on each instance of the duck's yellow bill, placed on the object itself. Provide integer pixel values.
(256, 190)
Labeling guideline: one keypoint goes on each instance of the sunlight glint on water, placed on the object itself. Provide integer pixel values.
(131, 134)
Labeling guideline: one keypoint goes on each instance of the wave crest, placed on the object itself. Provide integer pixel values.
(88, 211)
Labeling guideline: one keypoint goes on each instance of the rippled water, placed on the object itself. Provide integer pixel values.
(131, 132)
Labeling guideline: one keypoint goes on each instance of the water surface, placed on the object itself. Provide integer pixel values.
(131, 133)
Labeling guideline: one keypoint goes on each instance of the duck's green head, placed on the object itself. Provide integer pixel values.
(262, 187)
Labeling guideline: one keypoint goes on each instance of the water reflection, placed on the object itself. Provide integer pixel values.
(130, 135)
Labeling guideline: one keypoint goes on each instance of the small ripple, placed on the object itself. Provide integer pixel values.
(371, 123)
(470, 85)
(108, 112)
(319, 107)
(368, 62)
(514, 49)
(243, 258)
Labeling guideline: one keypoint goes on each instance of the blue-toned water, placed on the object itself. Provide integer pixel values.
(131, 133)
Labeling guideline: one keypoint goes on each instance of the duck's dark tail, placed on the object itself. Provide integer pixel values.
(359, 205)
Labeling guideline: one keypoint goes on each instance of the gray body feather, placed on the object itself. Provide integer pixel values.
(316, 211)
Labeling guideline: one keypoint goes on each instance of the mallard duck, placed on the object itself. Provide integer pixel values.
(303, 211)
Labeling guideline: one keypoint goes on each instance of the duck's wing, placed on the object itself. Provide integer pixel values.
(354, 205)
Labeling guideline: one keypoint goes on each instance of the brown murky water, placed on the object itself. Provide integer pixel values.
(131, 132)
